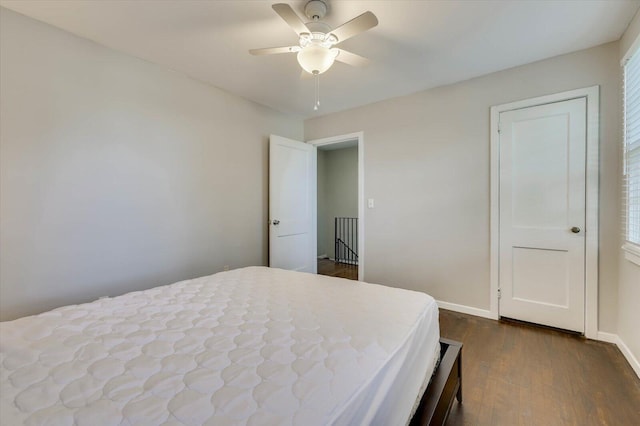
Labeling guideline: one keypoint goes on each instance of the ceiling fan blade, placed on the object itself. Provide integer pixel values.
(290, 17)
(355, 26)
(351, 58)
(274, 50)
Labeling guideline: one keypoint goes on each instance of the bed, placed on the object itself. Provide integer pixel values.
(254, 346)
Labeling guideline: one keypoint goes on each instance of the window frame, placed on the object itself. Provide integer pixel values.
(631, 248)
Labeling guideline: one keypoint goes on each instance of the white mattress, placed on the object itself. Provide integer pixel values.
(253, 346)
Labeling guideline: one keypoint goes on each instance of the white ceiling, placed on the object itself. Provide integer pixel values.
(417, 44)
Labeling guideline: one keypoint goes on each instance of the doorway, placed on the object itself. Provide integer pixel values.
(340, 222)
(338, 210)
(544, 210)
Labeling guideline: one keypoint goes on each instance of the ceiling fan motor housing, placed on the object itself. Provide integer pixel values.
(315, 9)
(318, 27)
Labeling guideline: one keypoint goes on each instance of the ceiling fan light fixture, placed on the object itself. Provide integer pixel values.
(316, 59)
(316, 52)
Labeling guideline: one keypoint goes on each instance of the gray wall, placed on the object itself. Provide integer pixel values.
(117, 174)
(427, 166)
(337, 193)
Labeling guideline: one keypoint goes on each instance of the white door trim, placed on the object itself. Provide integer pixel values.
(359, 136)
(592, 95)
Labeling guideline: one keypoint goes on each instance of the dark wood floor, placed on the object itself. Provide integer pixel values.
(517, 374)
(334, 269)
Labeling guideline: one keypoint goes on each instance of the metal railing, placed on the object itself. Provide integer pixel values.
(346, 240)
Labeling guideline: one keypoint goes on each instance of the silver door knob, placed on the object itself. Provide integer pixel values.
(575, 230)
(276, 222)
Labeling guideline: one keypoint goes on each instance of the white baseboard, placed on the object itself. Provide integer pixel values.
(629, 356)
(465, 309)
(603, 336)
(323, 256)
(626, 352)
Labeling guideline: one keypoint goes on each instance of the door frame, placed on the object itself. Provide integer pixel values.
(592, 95)
(359, 136)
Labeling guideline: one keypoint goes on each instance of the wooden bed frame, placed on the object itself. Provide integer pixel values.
(446, 383)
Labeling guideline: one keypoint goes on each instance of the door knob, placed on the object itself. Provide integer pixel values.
(575, 230)
(276, 222)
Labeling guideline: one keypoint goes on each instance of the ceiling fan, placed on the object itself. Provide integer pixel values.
(315, 49)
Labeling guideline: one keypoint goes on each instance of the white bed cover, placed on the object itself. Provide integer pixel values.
(255, 346)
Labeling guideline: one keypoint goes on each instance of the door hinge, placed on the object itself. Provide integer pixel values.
(499, 127)
(499, 294)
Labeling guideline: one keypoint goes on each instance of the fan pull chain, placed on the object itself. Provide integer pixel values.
(317, 104)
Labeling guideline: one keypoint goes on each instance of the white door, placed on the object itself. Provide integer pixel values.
(292, 205)
(542, 214)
